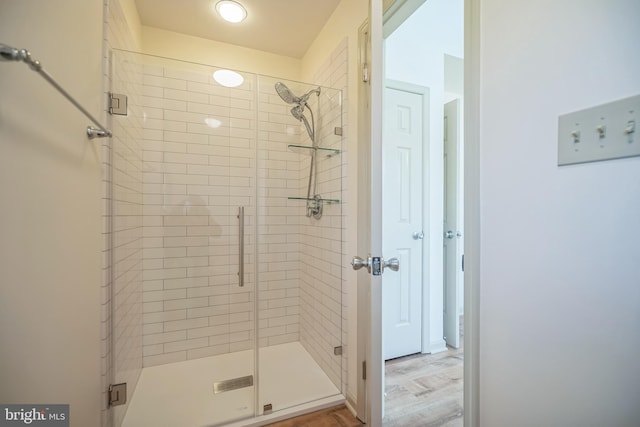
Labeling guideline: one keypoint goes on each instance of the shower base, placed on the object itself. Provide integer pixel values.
(181, 394)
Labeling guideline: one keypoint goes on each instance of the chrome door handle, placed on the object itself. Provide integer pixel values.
(357, 263)
(393, 264)
(377, 264)
(449, 234)
(418, 235)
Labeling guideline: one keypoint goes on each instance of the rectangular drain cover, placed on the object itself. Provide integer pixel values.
(232, 384)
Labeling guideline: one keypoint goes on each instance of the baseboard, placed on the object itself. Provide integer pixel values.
(350, 403)
(438, 346)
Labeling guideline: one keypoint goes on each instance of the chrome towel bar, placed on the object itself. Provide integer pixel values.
(8, 53)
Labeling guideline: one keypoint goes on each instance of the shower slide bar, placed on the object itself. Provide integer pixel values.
(8, 53)
(241, 246)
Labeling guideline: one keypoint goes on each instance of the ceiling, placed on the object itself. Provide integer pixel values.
(283, 27)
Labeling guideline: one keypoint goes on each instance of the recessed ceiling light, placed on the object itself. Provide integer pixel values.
(228, 78)
(231, 11)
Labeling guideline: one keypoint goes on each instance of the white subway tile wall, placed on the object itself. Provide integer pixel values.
(322, 290)
(198, 147)
(122, 221)
(334, 73)
(278, 233)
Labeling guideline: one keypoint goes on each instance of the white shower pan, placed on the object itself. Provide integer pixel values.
(181, 394)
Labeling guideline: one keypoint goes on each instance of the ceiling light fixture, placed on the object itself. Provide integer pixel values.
(228, 78)
(231, 11)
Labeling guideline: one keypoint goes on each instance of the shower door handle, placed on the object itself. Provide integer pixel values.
(241, 246)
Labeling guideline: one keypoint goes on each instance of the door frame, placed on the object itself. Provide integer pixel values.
(369, 348)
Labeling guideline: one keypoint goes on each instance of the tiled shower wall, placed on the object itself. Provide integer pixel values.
(122, 223)
(323, 319)
(198, 145)
(278, 219)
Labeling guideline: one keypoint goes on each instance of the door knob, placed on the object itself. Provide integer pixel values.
(376, 264)
(357, 263)
(449, 234)
(393, 264)
(418, 235)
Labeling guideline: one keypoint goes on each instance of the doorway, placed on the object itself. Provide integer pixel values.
(436, 64)
(382, 21)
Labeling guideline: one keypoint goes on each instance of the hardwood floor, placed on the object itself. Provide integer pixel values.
(338, 416)
(424, 390)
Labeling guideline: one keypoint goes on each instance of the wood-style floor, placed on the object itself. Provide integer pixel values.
(424, 390)
(338, 416)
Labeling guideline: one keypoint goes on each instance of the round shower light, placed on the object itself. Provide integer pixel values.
(228, 78)
(231, 11)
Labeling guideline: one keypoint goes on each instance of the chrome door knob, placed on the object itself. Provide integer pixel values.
(418, 235)
(393, 264)
(357, 263)
(449, 234)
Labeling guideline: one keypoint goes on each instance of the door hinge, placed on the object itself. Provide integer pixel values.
(117, 394)
(364, 369)
(117, 104)
(462, 262)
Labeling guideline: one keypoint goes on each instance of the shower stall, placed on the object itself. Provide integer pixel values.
(226, 245)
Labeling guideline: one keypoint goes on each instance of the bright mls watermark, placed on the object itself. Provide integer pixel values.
(34, 415)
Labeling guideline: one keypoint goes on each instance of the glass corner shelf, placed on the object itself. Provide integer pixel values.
(310, 199)
(307, 149)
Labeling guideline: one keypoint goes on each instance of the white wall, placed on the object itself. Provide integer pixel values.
(415, 53)
(50, 187)
(560, 278)
(195, 49)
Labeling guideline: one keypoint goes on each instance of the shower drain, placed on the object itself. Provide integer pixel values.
(232, 384)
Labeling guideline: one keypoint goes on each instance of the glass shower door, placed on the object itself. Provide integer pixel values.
(182, 171)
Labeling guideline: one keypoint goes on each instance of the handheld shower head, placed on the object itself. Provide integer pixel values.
(298, 113)
(299, 103)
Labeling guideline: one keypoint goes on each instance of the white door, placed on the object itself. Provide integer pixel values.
(402, 234)
(452, 231)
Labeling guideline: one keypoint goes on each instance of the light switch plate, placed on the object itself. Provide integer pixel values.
(607, 131)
